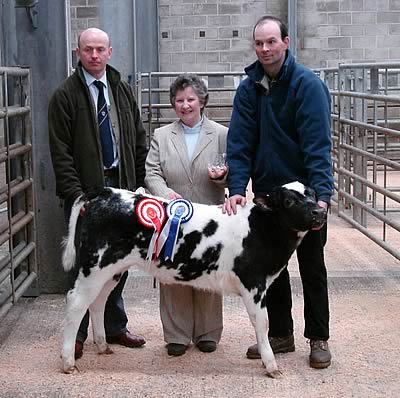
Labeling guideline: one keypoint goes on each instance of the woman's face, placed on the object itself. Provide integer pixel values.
(188, 106)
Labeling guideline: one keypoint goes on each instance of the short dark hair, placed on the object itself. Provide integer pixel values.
(266, 18)
(189, 80)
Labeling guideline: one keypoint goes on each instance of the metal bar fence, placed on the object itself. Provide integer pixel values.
(18, 264)
(366, 148)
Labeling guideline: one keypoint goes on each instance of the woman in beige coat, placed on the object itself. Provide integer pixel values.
(177, 166)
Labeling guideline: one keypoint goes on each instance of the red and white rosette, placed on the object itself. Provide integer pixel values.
(151, 213)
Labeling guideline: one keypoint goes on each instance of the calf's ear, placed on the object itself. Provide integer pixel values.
(274, 199)
(261, 201)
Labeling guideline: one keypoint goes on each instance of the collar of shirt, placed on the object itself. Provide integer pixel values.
(193, 130)
(90, 79)
(93, 89)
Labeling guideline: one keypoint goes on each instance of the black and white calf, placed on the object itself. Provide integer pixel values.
(240, 254)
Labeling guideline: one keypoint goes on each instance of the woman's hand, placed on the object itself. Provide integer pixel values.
(217, 173)
(173, 195)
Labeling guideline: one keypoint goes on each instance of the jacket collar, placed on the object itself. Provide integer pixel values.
(256, 72)
(113, 76)
(206, 128)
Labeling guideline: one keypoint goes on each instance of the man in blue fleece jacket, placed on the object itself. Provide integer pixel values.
(279, 133)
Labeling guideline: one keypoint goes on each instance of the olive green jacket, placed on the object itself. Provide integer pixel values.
(75, 142)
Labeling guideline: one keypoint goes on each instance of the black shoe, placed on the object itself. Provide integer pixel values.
(207, 346)
(320, 356)
(176, 350)
(126, 339)
(279, 345)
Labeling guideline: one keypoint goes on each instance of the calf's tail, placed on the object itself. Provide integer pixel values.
(68, 244)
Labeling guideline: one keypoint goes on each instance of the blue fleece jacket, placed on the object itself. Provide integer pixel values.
(282, 134)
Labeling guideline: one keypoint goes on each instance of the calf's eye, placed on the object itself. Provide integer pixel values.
(288, 203)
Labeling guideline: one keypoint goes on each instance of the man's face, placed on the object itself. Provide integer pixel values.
(94, 52)
(269, 46)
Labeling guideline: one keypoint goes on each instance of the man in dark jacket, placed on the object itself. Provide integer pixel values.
(77, 150)
(279, 133)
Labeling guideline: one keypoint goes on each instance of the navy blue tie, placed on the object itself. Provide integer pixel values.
(104, 126)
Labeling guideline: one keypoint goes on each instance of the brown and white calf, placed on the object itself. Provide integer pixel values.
(240, 254)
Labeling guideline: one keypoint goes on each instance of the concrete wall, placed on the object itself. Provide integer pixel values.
(84, 14)
(334, 31)
(215, 35)
(210, 36)
(44, 50)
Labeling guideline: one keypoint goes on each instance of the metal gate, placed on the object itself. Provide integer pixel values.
(366, 148)
(153, 96)
(18, 265)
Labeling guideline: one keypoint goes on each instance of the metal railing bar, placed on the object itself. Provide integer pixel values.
(15, 189)
(6, 259)
(371, 185)
(23, 255)
(21, 283)
(13, 112)
(374, 97)
(14, 71)
(16, 227)
(371, 65)
(18, 150)
(370, 210)
(371, 127)
(166, 90)
(175, 74)
(168, 106)
(390, 163)
(365, 231)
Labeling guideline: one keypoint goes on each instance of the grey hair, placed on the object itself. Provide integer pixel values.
(189, 80)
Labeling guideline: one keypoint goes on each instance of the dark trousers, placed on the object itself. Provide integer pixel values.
(115, 319)
(310, 255)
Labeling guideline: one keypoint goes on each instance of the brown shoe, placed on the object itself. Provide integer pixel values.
(279, 345)
(126, 339)
(320, 356)
(175, 349)
(78, 349)
(207, 346)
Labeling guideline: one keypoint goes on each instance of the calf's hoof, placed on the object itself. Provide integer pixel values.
(71, 370)
(275, 374)
(106, 351)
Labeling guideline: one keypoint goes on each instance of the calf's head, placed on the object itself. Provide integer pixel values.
(297, 207)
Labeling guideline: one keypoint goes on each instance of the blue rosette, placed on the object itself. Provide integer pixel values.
(178, 211)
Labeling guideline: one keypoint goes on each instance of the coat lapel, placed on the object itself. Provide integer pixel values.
(206, 136)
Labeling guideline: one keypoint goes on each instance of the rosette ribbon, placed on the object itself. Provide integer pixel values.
(178, 211)
(151, 213)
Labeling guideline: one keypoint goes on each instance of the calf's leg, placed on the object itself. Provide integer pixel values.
(259, 319)
(79, 299)
(97, 316)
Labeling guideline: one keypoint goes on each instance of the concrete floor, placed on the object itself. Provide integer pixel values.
(364, 283)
